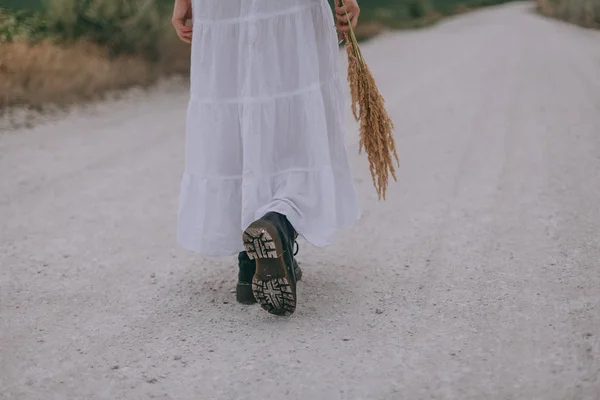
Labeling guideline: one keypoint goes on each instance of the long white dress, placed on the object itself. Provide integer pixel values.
(265, 125)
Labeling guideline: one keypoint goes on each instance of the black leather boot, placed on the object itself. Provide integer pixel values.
(247, 269)
(270, 242)
(243, 290)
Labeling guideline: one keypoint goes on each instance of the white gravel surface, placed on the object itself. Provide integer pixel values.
(479, 278)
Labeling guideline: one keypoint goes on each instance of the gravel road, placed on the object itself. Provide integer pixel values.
(479, 278)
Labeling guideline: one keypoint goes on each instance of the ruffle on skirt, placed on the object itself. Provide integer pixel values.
(265, 125)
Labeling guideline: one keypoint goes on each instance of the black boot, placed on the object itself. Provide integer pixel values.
(270, 242)
(247, 268)
(243, 290)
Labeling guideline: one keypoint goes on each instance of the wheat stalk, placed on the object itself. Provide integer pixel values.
(368, 107)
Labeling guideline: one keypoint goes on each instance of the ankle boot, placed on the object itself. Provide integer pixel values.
(243, 290)
(270, 242)
(247, 268)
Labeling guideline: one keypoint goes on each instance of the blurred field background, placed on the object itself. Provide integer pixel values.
(581, 12)
(66, 51)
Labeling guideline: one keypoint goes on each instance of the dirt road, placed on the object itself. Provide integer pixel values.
(479, 278)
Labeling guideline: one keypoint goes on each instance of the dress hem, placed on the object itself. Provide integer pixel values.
(308, 238)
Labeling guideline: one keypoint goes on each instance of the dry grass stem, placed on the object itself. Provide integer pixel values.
(376, 127)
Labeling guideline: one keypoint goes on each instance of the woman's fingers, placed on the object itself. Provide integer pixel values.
(347, 15)
(344, 18)
(183, 31)
(342, 12)
(351, 6)
(187, 39)
(186, 36)
(346, 27)
(181, 13)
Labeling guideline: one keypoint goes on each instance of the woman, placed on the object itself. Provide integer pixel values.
(265, 155)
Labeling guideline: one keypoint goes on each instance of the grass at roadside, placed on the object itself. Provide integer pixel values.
(46, 73)
(585, 13)
(79, 49)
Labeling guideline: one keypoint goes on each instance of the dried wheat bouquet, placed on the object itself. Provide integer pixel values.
(376, 127)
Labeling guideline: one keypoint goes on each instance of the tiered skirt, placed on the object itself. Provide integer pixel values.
(265, 124)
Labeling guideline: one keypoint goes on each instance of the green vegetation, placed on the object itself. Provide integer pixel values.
(23, 24)
(21, 4)
(135, 25)
(65, 51)
(581, 12)
(123, 26)
(74, 50)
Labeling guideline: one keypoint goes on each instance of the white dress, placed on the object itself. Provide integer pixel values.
(265, 125)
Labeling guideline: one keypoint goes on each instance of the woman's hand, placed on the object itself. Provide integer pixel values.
(345, 20)
(181, 13)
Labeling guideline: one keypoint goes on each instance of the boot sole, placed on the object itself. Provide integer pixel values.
(271, 284)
